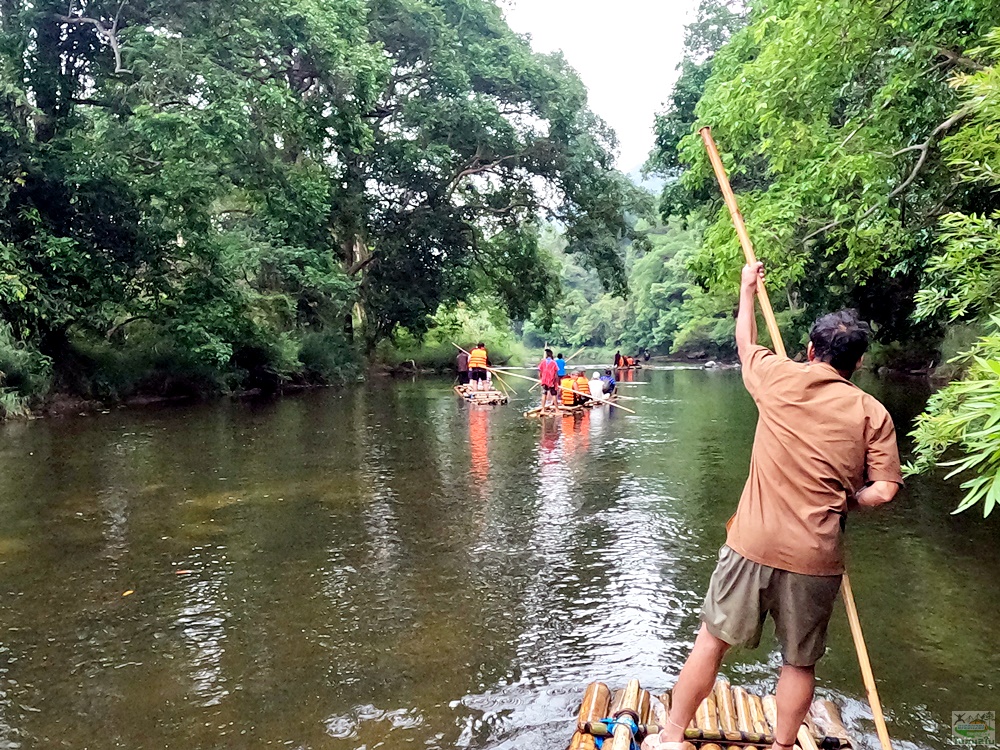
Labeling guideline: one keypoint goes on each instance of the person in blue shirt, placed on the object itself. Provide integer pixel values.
(609, 382)
(561, 364)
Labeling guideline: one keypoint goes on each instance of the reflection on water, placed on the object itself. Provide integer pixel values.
(390, 566)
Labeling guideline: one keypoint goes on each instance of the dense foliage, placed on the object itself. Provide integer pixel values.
(665, 311)
(221, 192)
(862, 139)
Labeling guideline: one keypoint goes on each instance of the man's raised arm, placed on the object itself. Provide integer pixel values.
(746, 319)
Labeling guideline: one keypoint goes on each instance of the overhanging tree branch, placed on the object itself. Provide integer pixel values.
(924, 149)
(473, 167)
(362, 264)
(109, 35)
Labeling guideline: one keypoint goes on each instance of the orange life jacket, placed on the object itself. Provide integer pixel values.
(568, 396)
(629, 361)
(477, 359)
(583, 386)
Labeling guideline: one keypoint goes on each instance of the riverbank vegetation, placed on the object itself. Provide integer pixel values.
(223, 195)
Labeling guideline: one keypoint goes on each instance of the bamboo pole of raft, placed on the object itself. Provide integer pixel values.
(706, 716)
(596, 701)
(645, 704)
(583, 741)
(805, 738)
(779, 347)
(742, 701)
(826, 715)
(727, 711)
(622, 739)
(757, 715)
(770, 705)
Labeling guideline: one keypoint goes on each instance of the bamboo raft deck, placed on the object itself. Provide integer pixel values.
(491, 397)
(555, 411)
(730, 717)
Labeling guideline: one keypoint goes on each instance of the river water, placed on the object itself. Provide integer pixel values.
(386, 567)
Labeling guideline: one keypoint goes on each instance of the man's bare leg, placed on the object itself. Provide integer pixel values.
(696, 681)
(794, 696)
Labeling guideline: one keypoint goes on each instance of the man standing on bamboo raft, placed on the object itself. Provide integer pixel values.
(822, 447)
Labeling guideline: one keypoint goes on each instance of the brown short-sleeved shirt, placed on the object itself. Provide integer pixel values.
(819, 440)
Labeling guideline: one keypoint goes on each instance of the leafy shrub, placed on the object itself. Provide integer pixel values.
(964, 417)
(24, 374)
(328, 357)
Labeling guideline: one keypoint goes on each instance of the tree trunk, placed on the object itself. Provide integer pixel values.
(46, 78)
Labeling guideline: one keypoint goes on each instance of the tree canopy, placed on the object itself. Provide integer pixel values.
(228, 178)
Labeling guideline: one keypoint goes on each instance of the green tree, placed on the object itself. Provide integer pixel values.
(234, 178)
(830, 115)
(472, 133)
(962, 282)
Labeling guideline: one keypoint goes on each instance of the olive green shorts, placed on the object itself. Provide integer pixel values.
(742, 592)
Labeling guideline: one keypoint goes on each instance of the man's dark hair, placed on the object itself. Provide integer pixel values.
(548, 353)
(481, 345)
(559, 356)
(840, 339)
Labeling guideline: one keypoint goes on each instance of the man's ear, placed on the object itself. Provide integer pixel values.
(811, 352)
(860, 364)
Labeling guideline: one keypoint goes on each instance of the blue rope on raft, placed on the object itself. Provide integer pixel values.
(625, 721)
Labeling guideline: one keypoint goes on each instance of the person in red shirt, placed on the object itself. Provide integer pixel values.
(548, 373)
(822, 447)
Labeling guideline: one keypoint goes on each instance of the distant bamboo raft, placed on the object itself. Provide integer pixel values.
(488, 398)
(558, 409)
(730, 717)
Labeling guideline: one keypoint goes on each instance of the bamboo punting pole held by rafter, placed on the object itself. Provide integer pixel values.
(865, 662)
(779, 347)
(741, 232)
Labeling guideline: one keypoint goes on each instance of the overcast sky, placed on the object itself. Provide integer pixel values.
(626, 51)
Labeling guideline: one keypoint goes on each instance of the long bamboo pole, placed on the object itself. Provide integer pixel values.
(865, 662)
(741, 232)
(779, 347)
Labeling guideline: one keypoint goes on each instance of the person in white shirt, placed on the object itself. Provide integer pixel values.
(597, 388)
